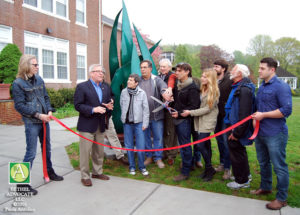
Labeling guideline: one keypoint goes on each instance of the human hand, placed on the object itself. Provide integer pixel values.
(185, 113)
(50, 113)
(109, 105)
(258, 116)
(99, 110)
(44, 117)
(231, 137)
(143, 128)
(174, 114)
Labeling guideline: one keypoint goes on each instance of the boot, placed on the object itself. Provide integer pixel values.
(209, 174)
(54, 177)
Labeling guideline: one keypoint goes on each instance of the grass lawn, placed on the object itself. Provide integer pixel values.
(165, 176)
(67, 110)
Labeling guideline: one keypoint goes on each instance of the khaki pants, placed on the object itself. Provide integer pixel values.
(170, 137)
(94, 150)
(113, 139)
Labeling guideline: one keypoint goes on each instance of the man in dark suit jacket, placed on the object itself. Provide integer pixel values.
(92, 99)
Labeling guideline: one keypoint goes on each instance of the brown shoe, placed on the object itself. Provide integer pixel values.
(199, 164)
(180, 177)
(123, 160)
(260, 192)
(86, 182)
(227, 174)
(170, 161)
(148, 161)
(220, 168)
(160, 164)
(276, 204)
(101, 177)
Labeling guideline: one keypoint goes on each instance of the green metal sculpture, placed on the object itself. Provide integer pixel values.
(130, 61)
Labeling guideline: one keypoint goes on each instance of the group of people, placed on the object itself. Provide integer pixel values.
(169, 109)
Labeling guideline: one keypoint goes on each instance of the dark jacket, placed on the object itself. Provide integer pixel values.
(85, 99)
(225, 88)
(187, 98)
(31, 98)
(166, 78)
(243, 105)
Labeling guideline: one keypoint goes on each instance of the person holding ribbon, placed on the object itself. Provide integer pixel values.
(33, 103)
(205, 118)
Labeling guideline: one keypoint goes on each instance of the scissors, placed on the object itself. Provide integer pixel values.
(162, 106)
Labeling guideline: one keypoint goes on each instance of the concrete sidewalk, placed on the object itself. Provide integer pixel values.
(116, 196)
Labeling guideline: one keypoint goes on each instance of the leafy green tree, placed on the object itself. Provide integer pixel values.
(287, 51)
(181, 54)
(9, 61)
(261, 46)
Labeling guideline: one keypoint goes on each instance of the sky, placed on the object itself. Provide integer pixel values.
(230, 24)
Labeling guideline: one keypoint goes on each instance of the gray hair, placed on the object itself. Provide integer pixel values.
(91, 67)
(165, 60)
(243, 69)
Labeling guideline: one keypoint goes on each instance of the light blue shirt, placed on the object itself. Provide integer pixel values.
(98, 90)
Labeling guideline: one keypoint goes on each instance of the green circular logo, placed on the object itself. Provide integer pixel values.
(19, 172)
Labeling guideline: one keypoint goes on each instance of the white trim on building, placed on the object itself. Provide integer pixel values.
(81, 62)
(5, 36)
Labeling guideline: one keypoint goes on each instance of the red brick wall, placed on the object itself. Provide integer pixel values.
(21, 18)
(8, 114)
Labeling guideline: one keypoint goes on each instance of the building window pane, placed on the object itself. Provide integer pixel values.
(47, 5)
(80, 10)
(80, 67)
(62, 70)
(2, 45)
(31, 2)
(48, 67)
(61, 8)
(32, 51)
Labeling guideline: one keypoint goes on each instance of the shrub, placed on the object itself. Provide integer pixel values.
(9, 61)
(56, 98)
(68, 94)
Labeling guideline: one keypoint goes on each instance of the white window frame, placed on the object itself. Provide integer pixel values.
(41, 42)
(53, 13)
(10, 1)
(85, 21)
(5, 34)
(81, 49)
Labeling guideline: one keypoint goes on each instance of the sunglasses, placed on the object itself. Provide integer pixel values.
(35, 64)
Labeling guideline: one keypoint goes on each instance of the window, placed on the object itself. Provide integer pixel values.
(81, 62)
(57, 8)
(61, 8)
(62, 69)
(52, 54)
(5, 36)
(48, 64)
(31, 2)
(80, 11)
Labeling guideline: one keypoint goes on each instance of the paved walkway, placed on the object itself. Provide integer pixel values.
(116, 196)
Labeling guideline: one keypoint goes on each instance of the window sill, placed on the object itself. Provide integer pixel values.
(57, 81)
(81, 24)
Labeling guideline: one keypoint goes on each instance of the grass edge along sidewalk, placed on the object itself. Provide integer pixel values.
(218, 185)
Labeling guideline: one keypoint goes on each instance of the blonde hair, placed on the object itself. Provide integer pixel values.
(211, 88)
(25, 66)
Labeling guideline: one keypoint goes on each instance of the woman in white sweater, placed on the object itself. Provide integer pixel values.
(205, 118)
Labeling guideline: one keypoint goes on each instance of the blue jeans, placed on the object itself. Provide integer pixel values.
(183, 131)
(223, 145)
(32, 132)
(272, 149)
(157, 130)
(131, 131)
(205, 149)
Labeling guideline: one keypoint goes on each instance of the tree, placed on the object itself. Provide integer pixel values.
(249, 60)
(260, 46)
(181, 54)
(9, 61)
(287, 51)
(209, 54)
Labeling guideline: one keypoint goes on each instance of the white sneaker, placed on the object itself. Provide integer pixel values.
(234, 185)
(132, 172)
(144, 172)
(232, 178)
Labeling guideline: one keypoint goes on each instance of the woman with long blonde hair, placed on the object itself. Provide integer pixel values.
(205, 118)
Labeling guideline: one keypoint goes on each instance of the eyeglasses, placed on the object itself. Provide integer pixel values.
(98, 71)
(35, 64)
(144, 67)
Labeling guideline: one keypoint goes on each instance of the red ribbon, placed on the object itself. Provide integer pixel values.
(46, 177)
(170, 148)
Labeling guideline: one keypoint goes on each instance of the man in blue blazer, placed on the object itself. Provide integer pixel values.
(92, 99)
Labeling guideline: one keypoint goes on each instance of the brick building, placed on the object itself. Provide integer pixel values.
(65, 36)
